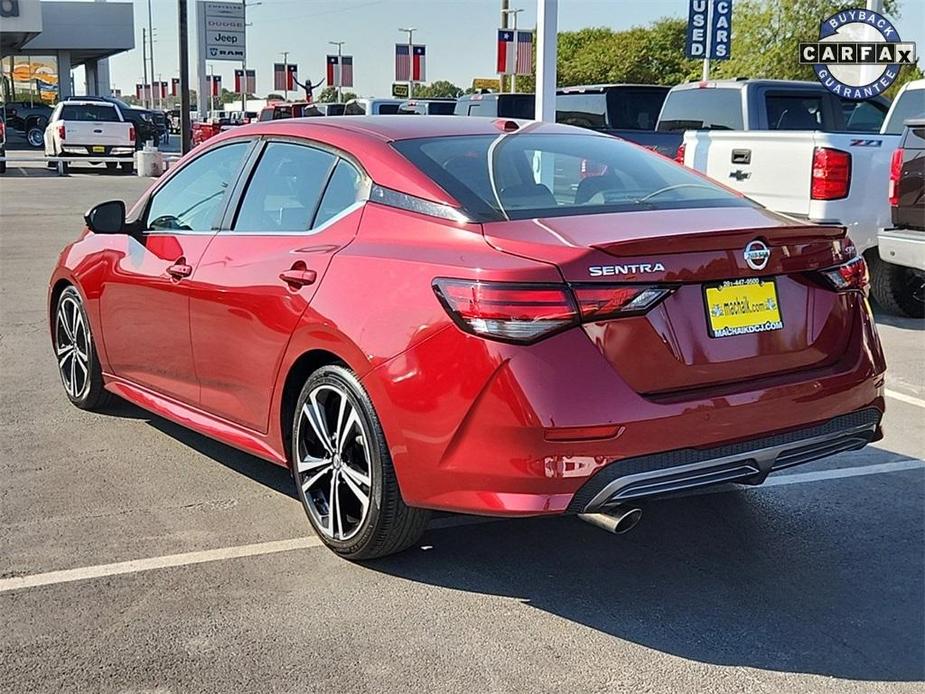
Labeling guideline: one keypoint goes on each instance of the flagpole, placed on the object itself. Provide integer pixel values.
(410, 31)
(516, 48)
(340, 69)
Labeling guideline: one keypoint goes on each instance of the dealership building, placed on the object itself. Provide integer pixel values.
(41, 42)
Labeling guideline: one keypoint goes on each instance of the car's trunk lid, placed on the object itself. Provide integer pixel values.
(670, 348)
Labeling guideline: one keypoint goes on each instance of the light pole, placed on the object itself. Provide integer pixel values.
(144, 62)
(185, 125)
(285, 55)
(151, 52)
(340, 69)
(516, 47)
(410, 31)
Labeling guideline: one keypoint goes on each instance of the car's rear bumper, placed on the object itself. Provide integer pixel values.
(903, 247)
(87, 152)
(748, 462)
(494, 429)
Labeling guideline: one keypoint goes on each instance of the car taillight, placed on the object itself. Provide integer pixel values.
(525, 313)
(831, 177)
(679, 155)
(131, 133)
(896, 166)
(850, 276)
(598, 302)
(60, 131)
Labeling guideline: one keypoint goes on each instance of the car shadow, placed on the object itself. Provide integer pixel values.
(273, 476)
(883, 318)
(745, 578)
(808, 581)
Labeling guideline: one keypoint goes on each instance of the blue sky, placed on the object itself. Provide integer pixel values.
(459, 34)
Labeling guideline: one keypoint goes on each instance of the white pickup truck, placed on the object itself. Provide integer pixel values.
(88, 130)
(785, 145)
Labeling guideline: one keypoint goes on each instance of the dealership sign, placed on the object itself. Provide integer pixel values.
(709, 30)
(222, 31)
(858, 55)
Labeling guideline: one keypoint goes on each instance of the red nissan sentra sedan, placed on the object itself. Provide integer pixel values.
(452, 313)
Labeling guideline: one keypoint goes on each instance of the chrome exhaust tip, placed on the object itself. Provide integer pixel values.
(617, 521)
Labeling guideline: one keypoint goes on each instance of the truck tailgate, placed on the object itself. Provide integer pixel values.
(775, 168)
(96, 133)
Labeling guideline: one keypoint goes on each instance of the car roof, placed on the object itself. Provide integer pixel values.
(390, 128)
(602, 87)
(743, 83)
(88, 102)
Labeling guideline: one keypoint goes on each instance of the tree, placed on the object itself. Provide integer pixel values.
(440, 89)
(329, 94)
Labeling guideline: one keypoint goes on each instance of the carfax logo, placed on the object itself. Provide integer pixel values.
(858, 55)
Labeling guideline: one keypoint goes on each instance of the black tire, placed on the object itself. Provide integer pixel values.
(2, 163)
(112, 166)
(65, 167)
(899, 290)
(85, 391)
(386, 524)
(127, 167)
(35, 135)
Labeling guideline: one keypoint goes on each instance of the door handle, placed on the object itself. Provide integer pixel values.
(180, 269)
(298, 278)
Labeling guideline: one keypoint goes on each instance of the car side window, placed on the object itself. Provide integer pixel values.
(284, 190)
(343, 190)
(193, 198)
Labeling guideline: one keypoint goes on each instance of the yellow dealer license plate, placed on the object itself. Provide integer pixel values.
(742, 307)
(98, 148)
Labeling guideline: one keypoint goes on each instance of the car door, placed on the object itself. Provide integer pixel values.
(145, 300)
(300, 205)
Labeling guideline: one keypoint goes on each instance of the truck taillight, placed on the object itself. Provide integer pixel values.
(831, 177)
(61, 131)
(679, 155)
(524, 313)
(896, 166)
(131, 133)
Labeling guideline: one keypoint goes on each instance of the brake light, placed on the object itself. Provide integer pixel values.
(131, 133)
(896, 166)
(831, 177)
(600, 301)
(679, 155)
(60, 131)
(851, 276)
(525, 313)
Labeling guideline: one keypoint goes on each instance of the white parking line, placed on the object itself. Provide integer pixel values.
(260, 548)
(902, 397)
(137, 565)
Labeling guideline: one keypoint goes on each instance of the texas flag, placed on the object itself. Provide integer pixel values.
(410, 69)
(340, 71)
(515, 52)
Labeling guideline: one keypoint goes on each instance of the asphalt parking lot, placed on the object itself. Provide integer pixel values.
(814, 582)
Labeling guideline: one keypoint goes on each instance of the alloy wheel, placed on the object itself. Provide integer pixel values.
(72, 347)
(333, 466)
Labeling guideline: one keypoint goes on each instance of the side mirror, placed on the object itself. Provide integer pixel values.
(107, 217)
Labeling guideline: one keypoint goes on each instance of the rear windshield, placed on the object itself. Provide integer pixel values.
(525, 176)
(94, 112)
(702, 109)
(616, 109)
(442, 108)
(910, 104)
(388, 109)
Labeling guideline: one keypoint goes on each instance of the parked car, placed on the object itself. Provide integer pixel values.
(146, 130)
(902, 246)
(629, 111)
(325, 109)
(427, 107)
(28, 118)
(493, 105)
(784, 145)
(85, 130)
(162, 125)
(282, 109)
(909, 103)
(371, 107)
(410, 315)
